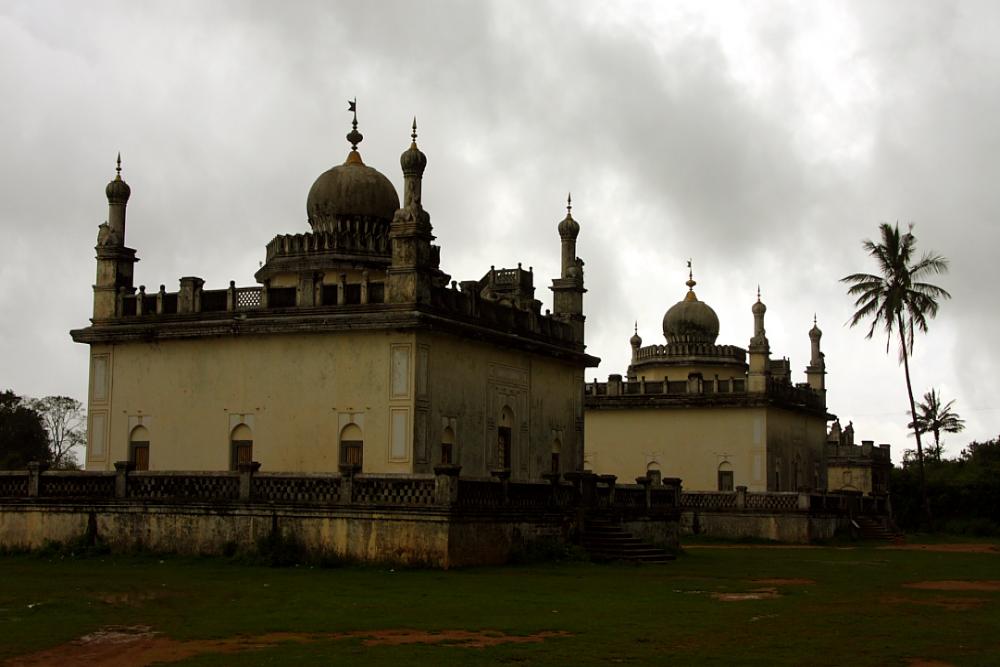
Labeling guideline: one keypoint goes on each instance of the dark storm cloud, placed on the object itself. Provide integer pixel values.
(765, 144)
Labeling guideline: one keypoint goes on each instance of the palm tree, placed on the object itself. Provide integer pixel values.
(936, 418)
(898, 302)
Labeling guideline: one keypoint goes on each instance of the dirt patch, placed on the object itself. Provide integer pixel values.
(454, 637)
(989, 586)
(950, 604)
(755, 594)
(784, 582)
(129, 599)
(138, 645)
(948, 548)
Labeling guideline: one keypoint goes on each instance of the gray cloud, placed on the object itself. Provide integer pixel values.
(764, 144)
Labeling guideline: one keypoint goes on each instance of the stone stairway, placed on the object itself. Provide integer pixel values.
(874, 529)
(605, 540)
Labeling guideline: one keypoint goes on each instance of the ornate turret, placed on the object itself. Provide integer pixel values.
(568, 289)
(816, 370)
(690, 320)
(759, 350)
(636, 342)
(115, 262)
(414, 268)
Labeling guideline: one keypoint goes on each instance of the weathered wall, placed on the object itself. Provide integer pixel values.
(796, 528)
(429, 537)
(795, 441)
(850, 478)
(469, 384)
(687, 442)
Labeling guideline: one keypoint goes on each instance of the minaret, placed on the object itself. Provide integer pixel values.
(816, 370)
(115, 262)
(636, 342)
(568, 290)
(411, 274)
(759, 349)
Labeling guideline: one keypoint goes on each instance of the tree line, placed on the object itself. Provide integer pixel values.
(40, 429)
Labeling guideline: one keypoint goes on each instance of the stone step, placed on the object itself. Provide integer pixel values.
(605, 540)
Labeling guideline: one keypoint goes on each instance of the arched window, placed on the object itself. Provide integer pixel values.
(352, 445)
(556, 450)
(138, 448)
(725, 476)
(240, 446)
(447, 446)
(505, 437)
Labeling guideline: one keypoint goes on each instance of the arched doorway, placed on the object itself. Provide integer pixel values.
(505, 431)
(725, 476)
(556, 466)
(352, 445)
(240, 446)
(447, 446)
(138, 448)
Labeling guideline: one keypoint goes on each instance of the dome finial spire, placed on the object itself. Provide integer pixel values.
(758, 292)
(118, 168)
(569, 203)
(354, 137)
(413, 135)
(636, 327)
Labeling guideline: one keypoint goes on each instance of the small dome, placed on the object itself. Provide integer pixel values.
(349, 191)
(691, 320)
(569, 228)
(635, 340)
(759, 308)
(815, 331)
(118, 190)
(413, 161)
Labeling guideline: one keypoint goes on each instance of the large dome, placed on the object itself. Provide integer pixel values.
(350, 191)
(691, 320)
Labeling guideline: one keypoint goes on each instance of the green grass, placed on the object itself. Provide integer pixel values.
(856, 612)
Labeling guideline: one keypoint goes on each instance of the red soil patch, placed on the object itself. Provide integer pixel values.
(948, 548)
(784, 582)
(755, 594)
(138, 645)
(991, 586)
(951, 604)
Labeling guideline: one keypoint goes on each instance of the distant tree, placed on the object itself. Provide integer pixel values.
(932, 417)
(898, 301)
(66, 424)
(986, 454)
(22, 433)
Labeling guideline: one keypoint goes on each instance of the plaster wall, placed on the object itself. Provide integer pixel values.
(295, 393)
(687, 442)
(680, 372)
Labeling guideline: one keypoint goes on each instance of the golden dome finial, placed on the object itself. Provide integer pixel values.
(691, 296)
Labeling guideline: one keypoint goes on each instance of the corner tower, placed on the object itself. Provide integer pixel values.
(115, 262)
(568, 290)
(760, 351)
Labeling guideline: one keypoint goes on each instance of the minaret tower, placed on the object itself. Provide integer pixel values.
(115, 262)
(568, 289)
(411, 275)
(816, 370)
(759, 350)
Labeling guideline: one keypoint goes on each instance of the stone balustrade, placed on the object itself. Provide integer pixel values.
(348, 488)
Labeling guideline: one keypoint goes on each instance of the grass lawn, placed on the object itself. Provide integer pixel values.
(744, 604)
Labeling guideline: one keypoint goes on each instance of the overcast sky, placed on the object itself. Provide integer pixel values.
(763, 140)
